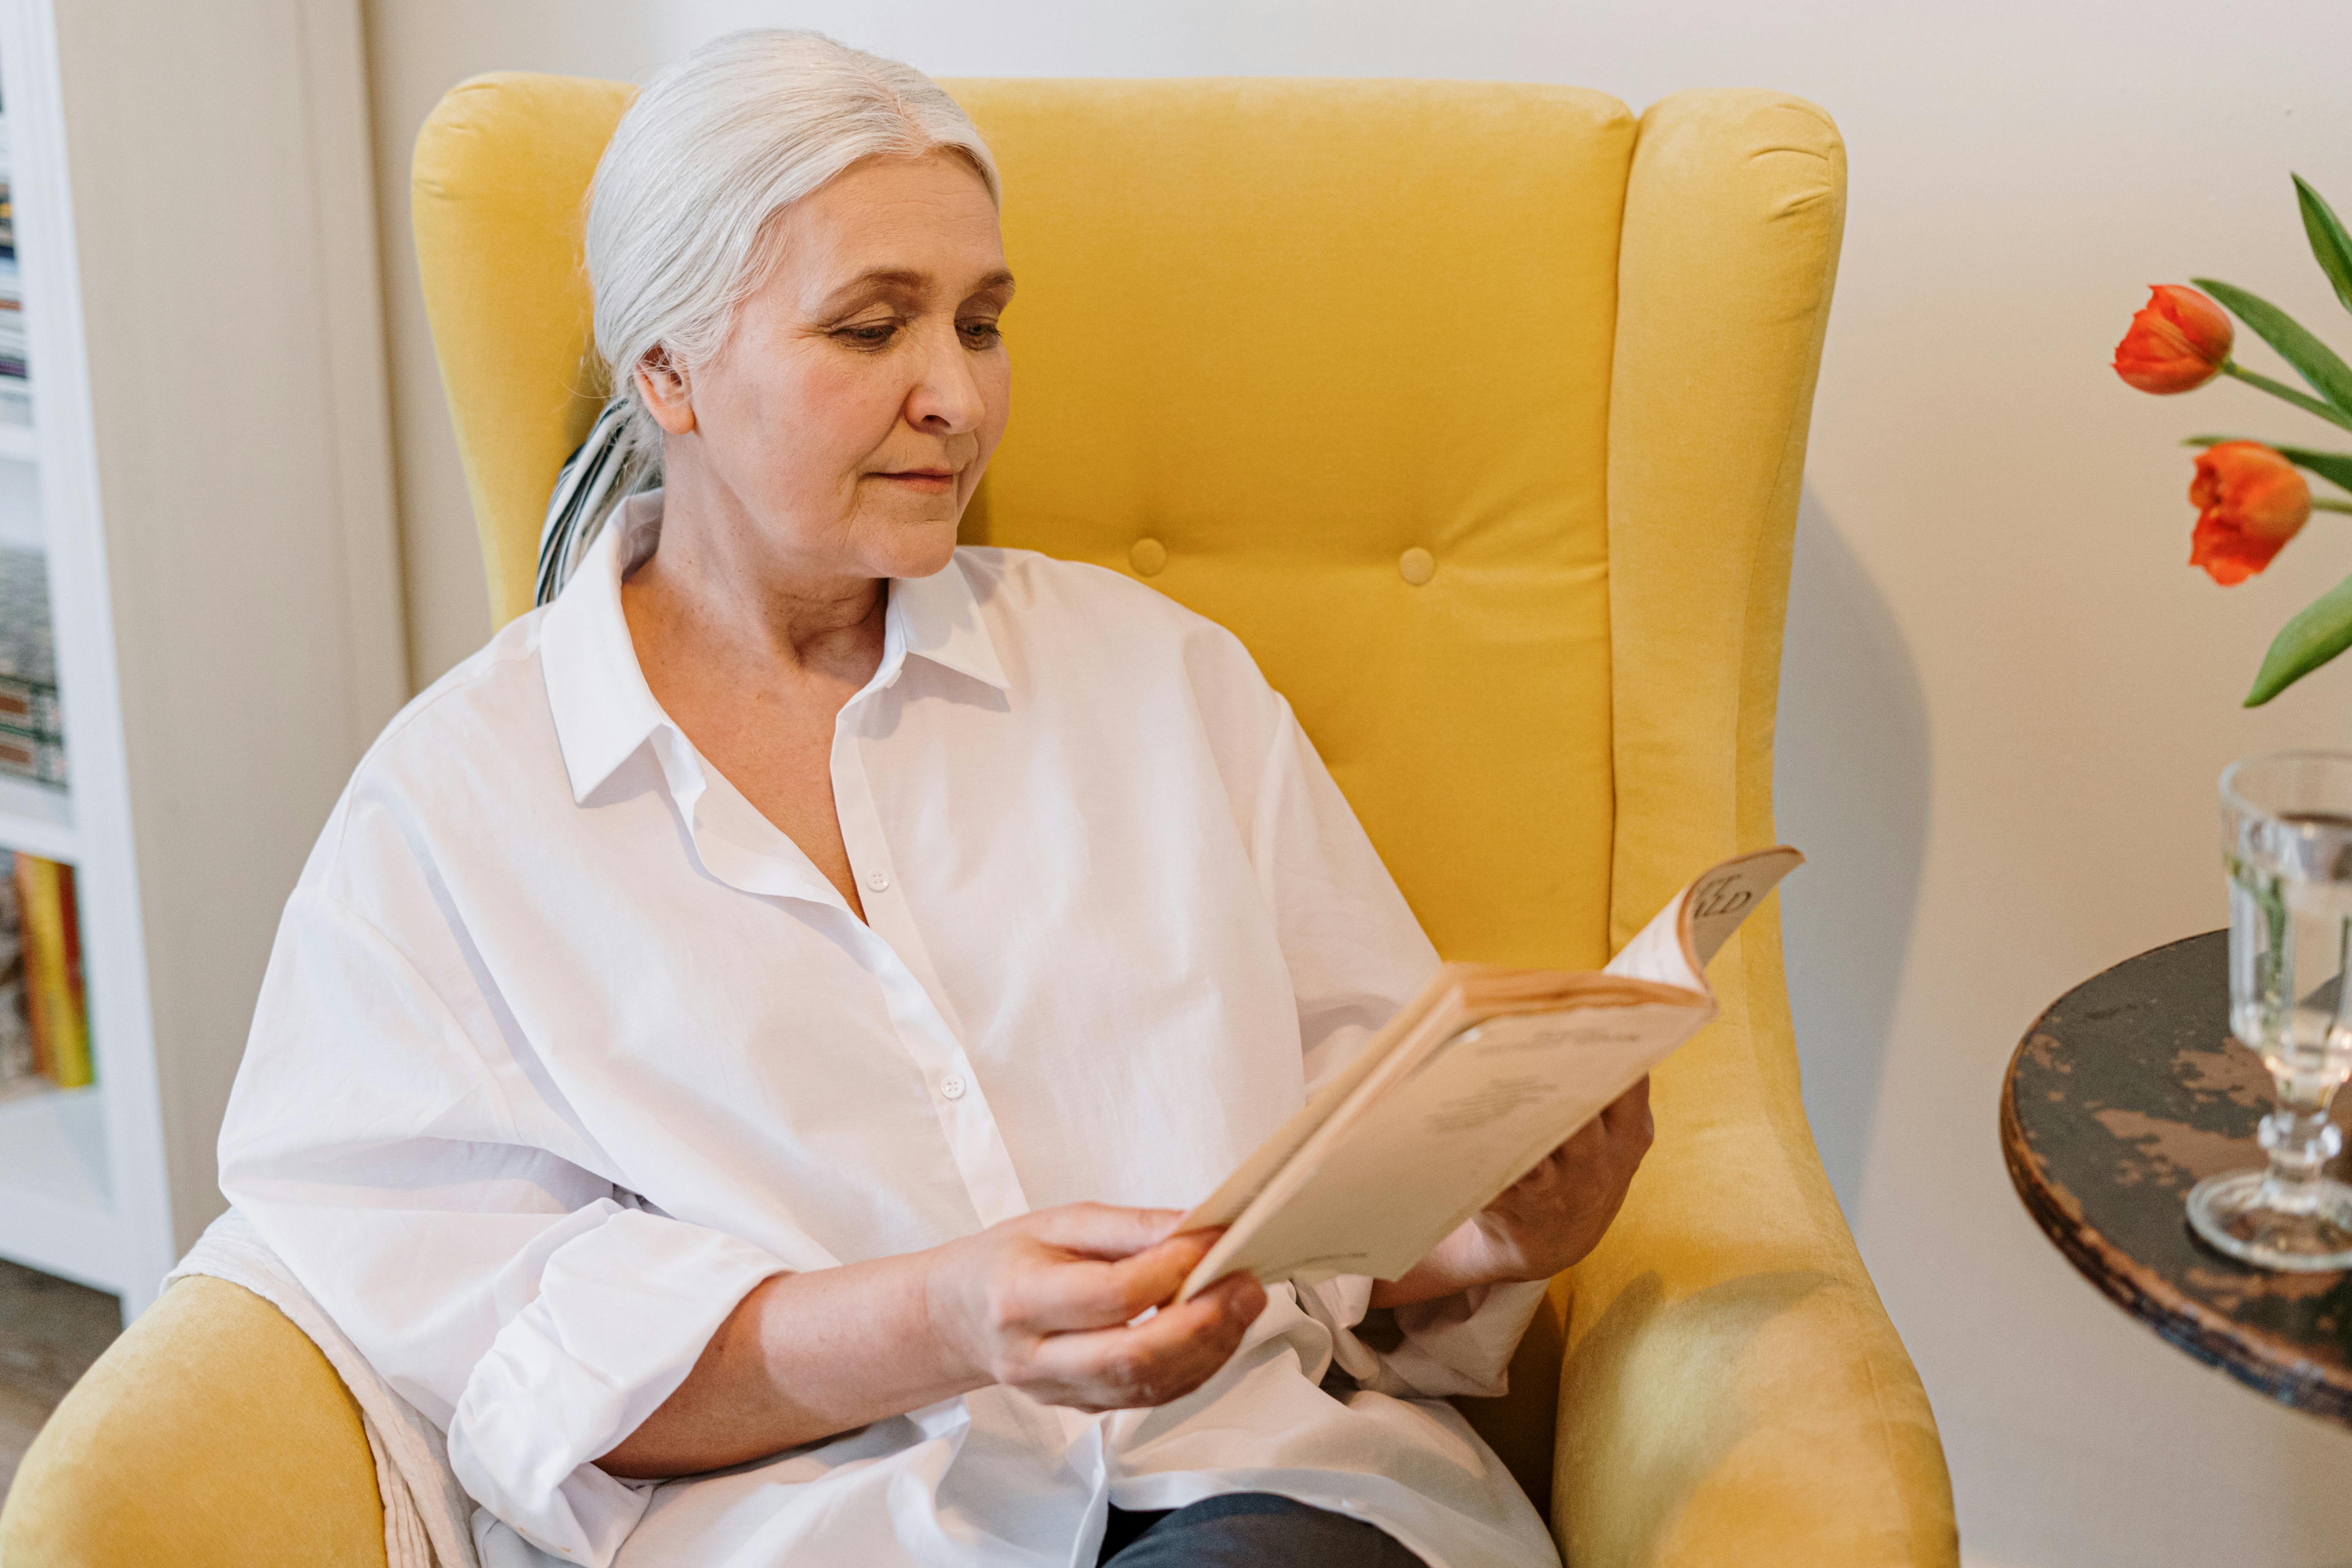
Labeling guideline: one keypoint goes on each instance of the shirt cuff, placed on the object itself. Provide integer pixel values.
(1457, 1344)
(621, 1314)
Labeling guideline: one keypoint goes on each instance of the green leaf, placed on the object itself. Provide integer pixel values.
(2329, 243)
(2334, 467)
(2320, 631)
(2313, 360)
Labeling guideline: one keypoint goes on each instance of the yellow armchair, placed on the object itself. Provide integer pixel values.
(1478, 411)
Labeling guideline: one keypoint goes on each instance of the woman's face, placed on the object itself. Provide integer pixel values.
(854, 405)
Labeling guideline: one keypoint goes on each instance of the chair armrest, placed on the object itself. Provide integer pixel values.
(1733, 1390)
(211, 1435)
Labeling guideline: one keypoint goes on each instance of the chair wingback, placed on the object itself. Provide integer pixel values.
(497, 197)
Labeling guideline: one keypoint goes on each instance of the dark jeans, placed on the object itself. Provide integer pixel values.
(1248, 1529)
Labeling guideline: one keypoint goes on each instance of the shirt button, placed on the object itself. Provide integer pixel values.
(878, 880)
(952, 1086)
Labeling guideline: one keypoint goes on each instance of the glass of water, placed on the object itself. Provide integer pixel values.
(2287, 840)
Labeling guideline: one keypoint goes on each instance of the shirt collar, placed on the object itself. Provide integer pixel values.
(602, 709)
(937, 618)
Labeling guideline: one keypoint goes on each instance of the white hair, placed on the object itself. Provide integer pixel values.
(714, 147)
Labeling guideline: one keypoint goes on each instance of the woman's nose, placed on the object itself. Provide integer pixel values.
(946, 399)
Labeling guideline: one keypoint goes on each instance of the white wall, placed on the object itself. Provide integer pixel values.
(2007, 697)
(232, 349)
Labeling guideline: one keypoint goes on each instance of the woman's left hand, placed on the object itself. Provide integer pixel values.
(1547, 1219)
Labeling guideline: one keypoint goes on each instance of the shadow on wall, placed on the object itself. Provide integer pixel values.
(1850, 787)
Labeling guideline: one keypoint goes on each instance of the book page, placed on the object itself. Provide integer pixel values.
(1497, 1071)
(1480, 1112)
(1682, 939)
(1237, 1191)
(1718, 901)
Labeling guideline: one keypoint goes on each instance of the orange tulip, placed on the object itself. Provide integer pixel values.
(2178, 340)
(2250, 503)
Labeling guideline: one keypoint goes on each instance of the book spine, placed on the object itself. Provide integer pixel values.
(16, 1029)
(52, 957)
(75, 1067)
(34, 891)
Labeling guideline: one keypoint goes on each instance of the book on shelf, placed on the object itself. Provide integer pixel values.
(30, 707)
(17, 1071)
(7, 209)
(32, 756)
(1465, 1090)
(12, 360)
(16, 402)
(32, 735)
(13, 365)
(56, 1001)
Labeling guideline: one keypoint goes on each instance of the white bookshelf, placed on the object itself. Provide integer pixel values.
(199, 291)
(37, 820)
(82, 1186)
(18, 443)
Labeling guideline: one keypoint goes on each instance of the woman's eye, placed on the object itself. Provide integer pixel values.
(873, 335)
(981, 334)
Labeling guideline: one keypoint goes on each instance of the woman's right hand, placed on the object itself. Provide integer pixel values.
(1045, 1303)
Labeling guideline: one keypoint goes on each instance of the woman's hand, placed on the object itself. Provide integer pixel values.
(1047, 1303)
(1041, 1303)
(1547, 1219)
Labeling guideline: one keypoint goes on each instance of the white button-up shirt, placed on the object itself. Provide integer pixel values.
(564, 1048)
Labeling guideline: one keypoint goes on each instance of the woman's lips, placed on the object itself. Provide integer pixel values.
(922, 478)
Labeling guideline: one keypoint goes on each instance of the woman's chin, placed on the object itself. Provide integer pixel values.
(916, 549)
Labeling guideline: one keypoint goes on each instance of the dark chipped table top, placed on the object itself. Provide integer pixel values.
(2128, 1093)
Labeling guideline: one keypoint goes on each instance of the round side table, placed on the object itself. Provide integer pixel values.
(2128, 1093)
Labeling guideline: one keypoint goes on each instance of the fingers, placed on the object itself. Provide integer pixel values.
(1611, 1142)
(1045, 1303)
(1624, 1122)
(1584, 1146)
(1102, 1230)
(1088, 1294)
(1628, 1116)
(1164, 1358)
(1557, 1212)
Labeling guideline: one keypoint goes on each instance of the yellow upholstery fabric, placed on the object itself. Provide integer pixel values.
(1290, 331)
(211, 1435)
(497, 194)
(1273, 338)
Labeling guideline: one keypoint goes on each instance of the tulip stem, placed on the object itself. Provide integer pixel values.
(2304, 401)
(2321, 504)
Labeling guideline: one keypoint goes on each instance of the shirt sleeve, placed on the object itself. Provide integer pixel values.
(450, 1221)
(1355, 954)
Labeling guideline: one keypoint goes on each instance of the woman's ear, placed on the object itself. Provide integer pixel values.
(662, 383)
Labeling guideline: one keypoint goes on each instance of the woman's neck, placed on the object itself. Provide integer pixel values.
(719, 585)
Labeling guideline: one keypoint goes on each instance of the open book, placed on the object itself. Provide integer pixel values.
(1468, 1087)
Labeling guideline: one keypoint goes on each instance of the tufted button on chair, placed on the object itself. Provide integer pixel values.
(1478, 412)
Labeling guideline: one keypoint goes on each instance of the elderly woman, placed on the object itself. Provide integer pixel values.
(740, 1046)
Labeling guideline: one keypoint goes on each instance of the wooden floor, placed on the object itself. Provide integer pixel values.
(49, 1332)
